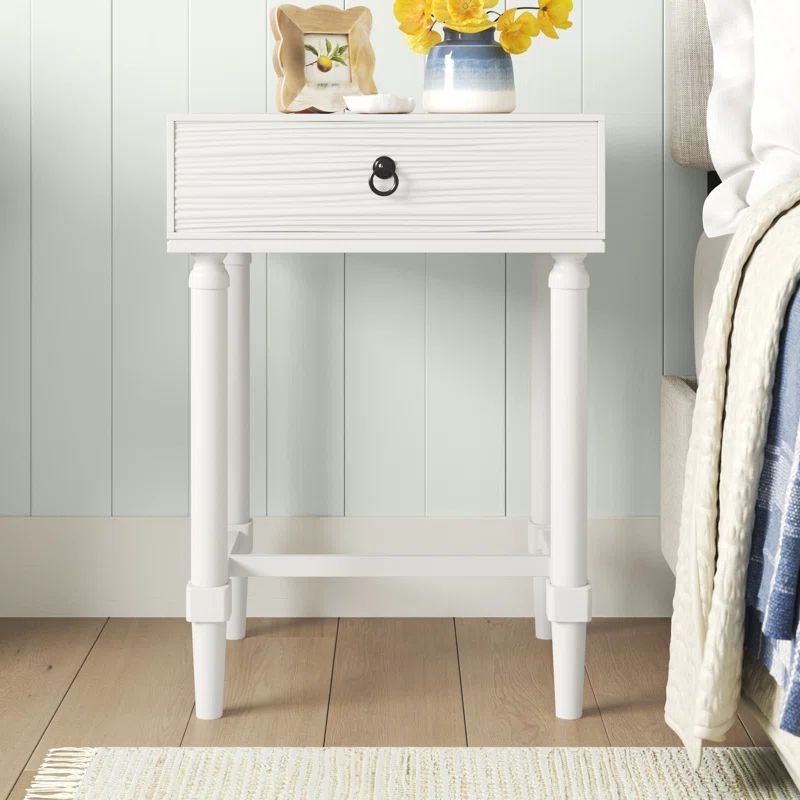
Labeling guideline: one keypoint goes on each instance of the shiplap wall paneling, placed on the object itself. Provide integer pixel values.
(305, 373)
(625, 312)
(465, 378)
(305, 385)
(548, 78)
(71, 257)
(385, 385)
(228, 74)
(151, 307)
(200, 57)
(385, 336)
(15, 231)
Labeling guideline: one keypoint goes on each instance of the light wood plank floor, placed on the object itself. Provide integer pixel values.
(437, 682)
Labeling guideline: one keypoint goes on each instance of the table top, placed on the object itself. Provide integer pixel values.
(386, 119)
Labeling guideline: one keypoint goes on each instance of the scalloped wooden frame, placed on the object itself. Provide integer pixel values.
(289, 25)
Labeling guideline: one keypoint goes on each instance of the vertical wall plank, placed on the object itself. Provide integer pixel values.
(258, 386)
(385, 385)
(15, 244)
(227, 56)
(684, 194)
(385, 336)
(465, 376)
(548, 75)
(623, 63)
(151, 404)
(71, 249)
(625, 326)
(228, 73)
(527, 294)
(548, 79)
(519, 308)
(398, 69)
(305, 332)
(625, 306)
(305, 374)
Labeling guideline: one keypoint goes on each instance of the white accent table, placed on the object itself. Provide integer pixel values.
(242, 184)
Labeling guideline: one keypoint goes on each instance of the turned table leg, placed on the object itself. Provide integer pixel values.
(568, 592)
(208, 595)
(240, 525)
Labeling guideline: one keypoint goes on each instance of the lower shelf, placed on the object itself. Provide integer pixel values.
(327, 565)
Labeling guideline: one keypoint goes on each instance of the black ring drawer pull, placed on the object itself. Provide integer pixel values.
(384, 168)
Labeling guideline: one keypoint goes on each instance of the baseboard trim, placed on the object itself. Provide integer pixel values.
(138, 566)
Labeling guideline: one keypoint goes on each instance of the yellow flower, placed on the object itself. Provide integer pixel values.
(466, 16)
(440, 10)
(413, 15)
(423, 41)
(465, 11)
(516, 34)
(554, 14)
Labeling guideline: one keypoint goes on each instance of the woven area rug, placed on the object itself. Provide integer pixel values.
(363, 773)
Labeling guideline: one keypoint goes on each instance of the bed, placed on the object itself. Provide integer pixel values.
(689, 75)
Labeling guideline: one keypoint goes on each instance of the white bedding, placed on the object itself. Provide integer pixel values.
(753, 117)
(728, 121)
(775, 118)
(724, 465)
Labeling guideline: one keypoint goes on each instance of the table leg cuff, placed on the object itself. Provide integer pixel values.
(208, 603)
(569, 603)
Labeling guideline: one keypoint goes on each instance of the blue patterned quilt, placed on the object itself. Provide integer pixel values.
(772, 630)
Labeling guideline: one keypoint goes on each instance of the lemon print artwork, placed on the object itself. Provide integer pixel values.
(327, 60)
(322, 54)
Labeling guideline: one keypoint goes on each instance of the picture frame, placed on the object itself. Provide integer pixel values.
(321, 54)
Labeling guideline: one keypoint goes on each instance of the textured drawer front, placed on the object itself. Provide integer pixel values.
(288, 175)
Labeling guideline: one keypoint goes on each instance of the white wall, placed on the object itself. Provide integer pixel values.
(394, 386)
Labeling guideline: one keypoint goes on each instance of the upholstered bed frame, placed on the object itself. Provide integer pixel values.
(689, 70)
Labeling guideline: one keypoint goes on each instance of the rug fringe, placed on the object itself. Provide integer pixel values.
(61, 773)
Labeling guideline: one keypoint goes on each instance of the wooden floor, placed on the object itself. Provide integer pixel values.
(335, 682)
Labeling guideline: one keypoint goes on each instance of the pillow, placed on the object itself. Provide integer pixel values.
(729, 111)
(776, 110)
(690, 67)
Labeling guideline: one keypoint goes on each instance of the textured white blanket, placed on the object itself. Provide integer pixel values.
(723, 467)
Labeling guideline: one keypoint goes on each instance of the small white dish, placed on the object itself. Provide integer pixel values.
(379, 104)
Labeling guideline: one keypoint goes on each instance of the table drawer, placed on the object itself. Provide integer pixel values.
(519, 175)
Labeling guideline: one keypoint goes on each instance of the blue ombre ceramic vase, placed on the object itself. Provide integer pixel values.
(469, 73)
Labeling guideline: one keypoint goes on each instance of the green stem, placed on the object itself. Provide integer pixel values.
(516, 8)
(490, 11)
